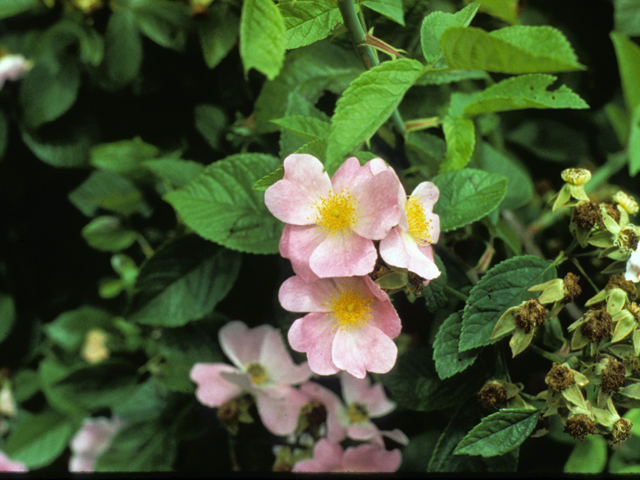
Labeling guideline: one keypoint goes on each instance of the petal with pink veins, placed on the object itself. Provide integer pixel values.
(241, 344)
(296, 295)
(291, 199)
(312, 334)
(277, 361)
(301, 242)
(279, 410)
(378, 208)
(343, 255)
(350, 174)
(355, 390)
(363, 349)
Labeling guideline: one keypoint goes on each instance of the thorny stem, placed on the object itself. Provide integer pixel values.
(366, 52)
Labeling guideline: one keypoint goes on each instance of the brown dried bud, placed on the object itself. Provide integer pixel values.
(315, 413)
(598, 325)
(627, 239)
(571, 287)
(612, 211)
(618, 281)
(491, 394)
(530, 315)
(588, 214)
(621, 430)
(559, 378)
(579, 426)
(229, 412)
(613, 376)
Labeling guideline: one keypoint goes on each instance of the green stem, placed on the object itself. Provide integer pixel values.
(543, 353)
(367, 53)
(456, 293)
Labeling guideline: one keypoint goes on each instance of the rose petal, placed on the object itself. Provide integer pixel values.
(363, 349)
(336, 411)
(213, 390)
(355, 390)
(350, 174)
(343, 255)
(378, 207)
(291, 199)
(327, 457)
(371, 458)
(280, 412)
(301, 242)
(276, 359)
(296, 295)
(312, 334)
(240, 344)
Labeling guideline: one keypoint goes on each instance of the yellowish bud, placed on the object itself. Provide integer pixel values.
(576, 176)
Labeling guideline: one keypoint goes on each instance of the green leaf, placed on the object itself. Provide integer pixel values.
(442, 77)
(145, 403)
(37, 440)
(182, 282)
(7, 315)
(218, 32)
(163, 21)
(589, 456)
(70, 328)
(107, 234)
(414, 383)
(392, 9)
(269, 179)
(262, 37)
(633, 146)
(26, 384)
(63, 145)
(506, 10)
(176, 171)
(516, 49)
(210, 121)
(551, 140)
(466, 196)
(443, 458)
(504, 286)
(308, 128)
(140, 447)
(9, 8)
(460, 134)
(435, 24)
(291, 140)
(367, 104)
(525, 91)
(628, 54)
(122, 157)
(99, 386)
(123, 48)
(499, 433)
(110, 191)
(49, 90)
(51, 372)
(307, 72)
(627, 17)
(445, 348)
(425, 150)
(433, 293)
(519, 184)
(220, 204)
(307, 21)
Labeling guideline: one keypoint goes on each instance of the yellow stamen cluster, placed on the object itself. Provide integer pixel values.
(337, 212)
(419, 225)
(358, 412)
(257, 373)
(350, 308)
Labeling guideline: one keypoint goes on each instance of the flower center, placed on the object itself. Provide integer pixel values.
(419, 225)
(257, 373)
(336, 212)
(358, 412)
(349, 307)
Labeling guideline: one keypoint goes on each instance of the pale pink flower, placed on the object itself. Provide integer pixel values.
(350, 327)
(263, 367)
(331, 223)
(8, 465)
(335, 409)
(365, 401)
(92, 440)
(13, 67)
(329, 457)
(409, 244)
(633, 267)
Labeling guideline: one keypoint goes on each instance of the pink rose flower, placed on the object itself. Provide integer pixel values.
(263, 367)
(8, 465)
(13, 67)
(319, 396)
(365, 401)
(409, 244)
(331, 224)
(350, 327)
(329, 457)
(91, 441)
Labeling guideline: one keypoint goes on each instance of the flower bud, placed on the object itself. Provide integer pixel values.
(576, 176)
(626, 202)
